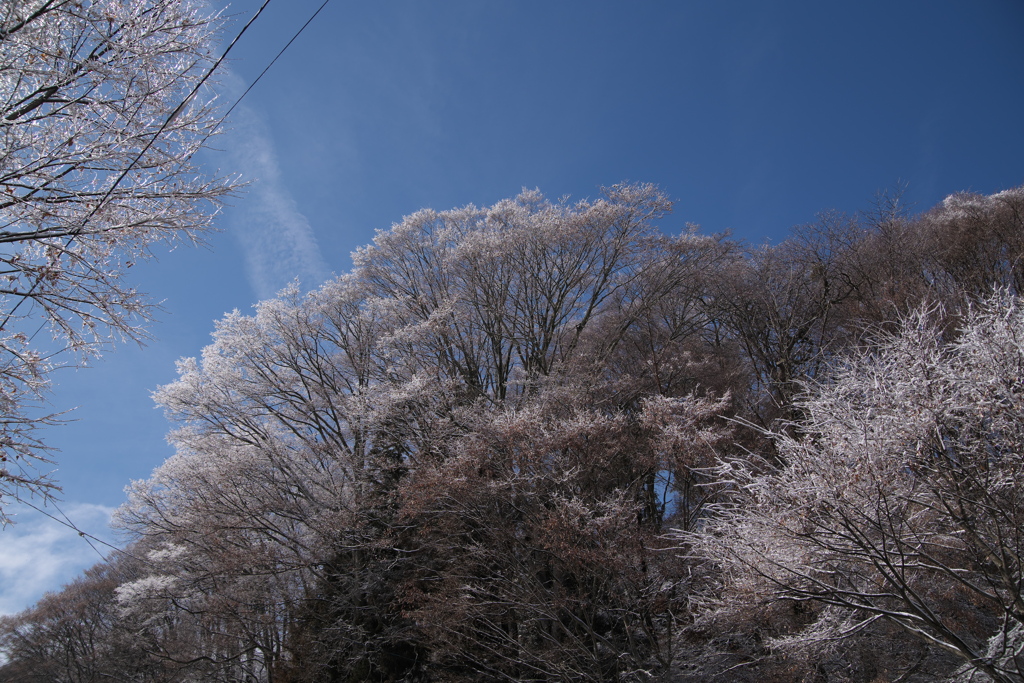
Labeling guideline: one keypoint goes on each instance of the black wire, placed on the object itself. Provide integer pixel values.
(81, 533)
(89, 538)
(265, 70)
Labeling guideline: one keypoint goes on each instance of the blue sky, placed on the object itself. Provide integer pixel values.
(753, 116)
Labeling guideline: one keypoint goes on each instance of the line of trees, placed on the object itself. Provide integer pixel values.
(546, 441)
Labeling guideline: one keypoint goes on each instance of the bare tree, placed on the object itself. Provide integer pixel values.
(538, 539)
(975, 243)
(77, 634)
(784, 306)
(901, 501)
(498, 297)
(99, 122)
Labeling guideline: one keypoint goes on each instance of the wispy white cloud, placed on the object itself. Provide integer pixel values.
(38, 554)
(277, 240)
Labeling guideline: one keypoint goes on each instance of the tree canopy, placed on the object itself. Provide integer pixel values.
(547, 440)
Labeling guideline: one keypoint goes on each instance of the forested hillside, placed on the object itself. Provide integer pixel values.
(556, 441)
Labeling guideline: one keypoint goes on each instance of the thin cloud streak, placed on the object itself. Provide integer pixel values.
(40, 553)
(277, 241)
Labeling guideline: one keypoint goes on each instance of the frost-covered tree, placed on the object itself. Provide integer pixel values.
(276, 458)
(498, 297)
(975, 242)
(794, 307)
(900, 499)
(100, 117)
(77, 634)
(315, 435)
(539, 538)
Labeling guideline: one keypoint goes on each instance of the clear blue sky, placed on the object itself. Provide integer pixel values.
(754, 116)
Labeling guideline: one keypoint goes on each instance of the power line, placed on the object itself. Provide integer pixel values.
(272, 61)
(66, 522)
